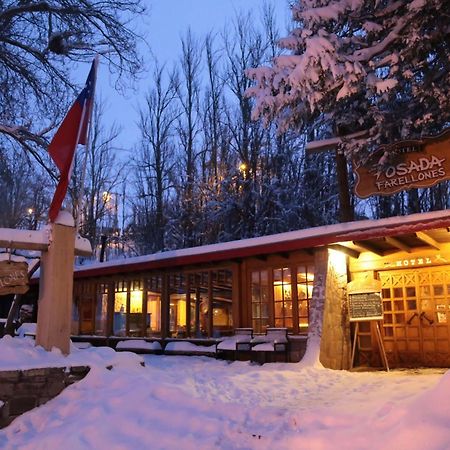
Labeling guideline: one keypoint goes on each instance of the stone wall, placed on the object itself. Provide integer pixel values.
(328, 310)
(22, 390)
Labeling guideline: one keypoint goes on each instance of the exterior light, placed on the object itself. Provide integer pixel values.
(106, 196)
(30, 211)
(243, 167)
(338, 261)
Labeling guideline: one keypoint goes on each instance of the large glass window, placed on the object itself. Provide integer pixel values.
(177, 305)
(305, 279)
(101, 309)
(153, 319)
(199, 303)
(120, 308)
(222, 302)
(135, 317)
(282, 297)
(292, 288)
(260, 300)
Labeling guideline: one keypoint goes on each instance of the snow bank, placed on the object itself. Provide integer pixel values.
(185, 346)
(26, 328)
(203, 403)
(21, 353)
(138, 344)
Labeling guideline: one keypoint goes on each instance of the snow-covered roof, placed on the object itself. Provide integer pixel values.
(282, 242)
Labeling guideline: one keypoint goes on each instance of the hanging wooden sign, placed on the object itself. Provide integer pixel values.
(412, 164)
(13, 277)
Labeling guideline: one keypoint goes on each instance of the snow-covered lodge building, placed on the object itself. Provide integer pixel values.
(301, 280)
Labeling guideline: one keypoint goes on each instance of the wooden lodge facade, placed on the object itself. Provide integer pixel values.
(297, 280)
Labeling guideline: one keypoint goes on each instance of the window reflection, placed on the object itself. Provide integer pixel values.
(101, 314)
(153, 317)
(260, 300)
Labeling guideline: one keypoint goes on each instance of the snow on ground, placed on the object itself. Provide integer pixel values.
(201, 403)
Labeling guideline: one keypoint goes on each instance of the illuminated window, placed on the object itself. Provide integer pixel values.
(177, 309)
(260, 300)
(222, 302)
(135, 316)
(128, 311)
(120, 309)
(282, 297)
(305, 279)
(153, 319)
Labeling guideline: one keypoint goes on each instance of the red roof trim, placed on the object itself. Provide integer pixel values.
(381, 230)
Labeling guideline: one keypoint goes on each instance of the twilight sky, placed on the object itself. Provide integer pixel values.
(165, 24)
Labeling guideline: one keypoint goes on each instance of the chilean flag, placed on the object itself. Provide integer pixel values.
(72, 131)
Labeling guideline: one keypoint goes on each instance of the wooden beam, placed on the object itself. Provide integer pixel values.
(325, 145)
(398, 244)
(346, 250)
(37, 240)
(82, 247)
(261, 257)
(428, 240)
(369, 247)
(23, 239)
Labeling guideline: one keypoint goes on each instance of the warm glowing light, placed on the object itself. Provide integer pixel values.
(106, 196)
(338, 260)
(243, 167)
(136, 301)
(30, 211)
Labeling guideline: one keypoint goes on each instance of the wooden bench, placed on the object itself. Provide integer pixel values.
(270, 346)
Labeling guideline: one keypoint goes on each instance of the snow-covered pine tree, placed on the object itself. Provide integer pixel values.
(380, 66)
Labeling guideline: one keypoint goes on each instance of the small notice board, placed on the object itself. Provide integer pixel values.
(365, 306)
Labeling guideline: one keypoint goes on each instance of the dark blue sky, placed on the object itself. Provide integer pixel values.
(166, 23)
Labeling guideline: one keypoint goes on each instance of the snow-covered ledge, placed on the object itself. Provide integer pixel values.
(38, 240)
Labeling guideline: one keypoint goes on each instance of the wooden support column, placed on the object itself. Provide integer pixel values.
(188, 305)
(56, 287)
(346, 209)
(235, 294)
(165, 306)
(210, 305)
(198, 332)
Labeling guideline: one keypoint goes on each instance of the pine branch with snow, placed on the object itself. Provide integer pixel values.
(377, 66)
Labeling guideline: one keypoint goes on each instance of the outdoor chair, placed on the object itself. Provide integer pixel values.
(267, 347)
(240, 341)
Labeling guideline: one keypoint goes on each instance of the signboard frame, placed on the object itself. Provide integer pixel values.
(410, 164)
(365, 306)
(13, 277)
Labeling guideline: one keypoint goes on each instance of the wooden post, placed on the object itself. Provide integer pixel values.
(210, 322)
(56, 286)
(346, 209)
(188, 305)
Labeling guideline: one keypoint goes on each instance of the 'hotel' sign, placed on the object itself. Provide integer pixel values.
(412, 164)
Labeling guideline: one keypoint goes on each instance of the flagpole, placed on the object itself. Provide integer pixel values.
(79, 204)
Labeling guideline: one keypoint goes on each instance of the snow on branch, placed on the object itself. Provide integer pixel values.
(378, 66)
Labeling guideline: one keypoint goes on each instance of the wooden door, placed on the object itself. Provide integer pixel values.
(417, 316)
(86, 307)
